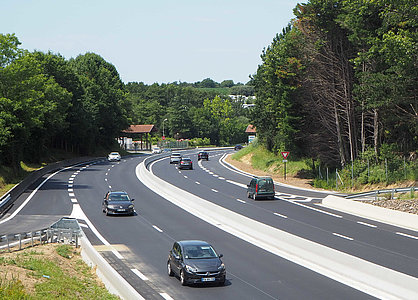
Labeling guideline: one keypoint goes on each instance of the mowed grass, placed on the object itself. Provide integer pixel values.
(269, 162)
(56, 272)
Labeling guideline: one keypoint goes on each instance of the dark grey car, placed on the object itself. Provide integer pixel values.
(195, 262)
(185, 163)
(115, 203)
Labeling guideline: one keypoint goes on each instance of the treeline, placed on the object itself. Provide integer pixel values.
(340, 81)
(47, 102)
(189, 112)
(81, 105)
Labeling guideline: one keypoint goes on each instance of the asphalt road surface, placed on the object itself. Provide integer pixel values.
(141, 243)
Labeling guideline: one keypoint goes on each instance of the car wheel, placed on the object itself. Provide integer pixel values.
(107, 212)
(254, 197)
(169, 270)
(183, 280)
(248, 195)
(222, 282)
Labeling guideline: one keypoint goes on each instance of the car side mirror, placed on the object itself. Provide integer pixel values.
(221, 255)
(248, 185)
(133, 199)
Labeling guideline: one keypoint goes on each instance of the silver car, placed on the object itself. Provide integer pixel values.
(175, 158)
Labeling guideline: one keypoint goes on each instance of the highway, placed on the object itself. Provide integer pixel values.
(141, 243)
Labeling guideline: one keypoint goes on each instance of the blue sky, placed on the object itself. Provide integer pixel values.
(155, 40)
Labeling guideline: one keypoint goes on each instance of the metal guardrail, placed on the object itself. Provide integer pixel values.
(10, 197)
(385, 191)
(66, 230)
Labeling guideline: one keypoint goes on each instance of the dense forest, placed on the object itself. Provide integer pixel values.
(81, 105)
(340, 82)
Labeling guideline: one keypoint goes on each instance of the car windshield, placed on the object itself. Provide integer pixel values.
(199, 252)
(176, 154)
(119, 197)
(186, 159)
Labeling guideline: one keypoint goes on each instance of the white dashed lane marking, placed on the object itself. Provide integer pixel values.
(280, 215)
(197, 182)
(242, 201)
(407, 235)
(156, 228)
(342, 236)
(73, 200)
(367, 224)
(139, 274)
(213, 190)
(71, 194)
(166, 296)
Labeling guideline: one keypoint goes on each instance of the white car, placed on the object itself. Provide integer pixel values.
(156, 150)
(114, 156)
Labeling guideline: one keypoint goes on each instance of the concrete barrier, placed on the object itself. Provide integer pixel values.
(113, 281)
(369, 211)
(360, 274)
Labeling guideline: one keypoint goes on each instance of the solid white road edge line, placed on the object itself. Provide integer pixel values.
(360, 274)
(78, 213)
(31, 196)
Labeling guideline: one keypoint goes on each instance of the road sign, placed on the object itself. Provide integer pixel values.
(285, 154)
(284, 160)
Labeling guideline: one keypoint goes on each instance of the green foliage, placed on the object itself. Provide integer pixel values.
(55, 282)
(12, 289)
(65, 250)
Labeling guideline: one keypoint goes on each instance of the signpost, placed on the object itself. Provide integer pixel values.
(285, 154)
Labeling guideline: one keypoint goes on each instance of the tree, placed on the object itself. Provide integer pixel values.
(104, 99)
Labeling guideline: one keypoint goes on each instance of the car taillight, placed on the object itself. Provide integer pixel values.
(256, 188)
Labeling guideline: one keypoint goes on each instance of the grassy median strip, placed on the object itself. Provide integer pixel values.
(49, 271)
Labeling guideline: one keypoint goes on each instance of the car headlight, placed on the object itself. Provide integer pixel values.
(131, 206)
(221, 267)
(111, 206)
(191, 269)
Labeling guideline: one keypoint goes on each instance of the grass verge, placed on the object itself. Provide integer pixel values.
(49, 271)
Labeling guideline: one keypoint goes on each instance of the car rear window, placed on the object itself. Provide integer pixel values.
(265, 183)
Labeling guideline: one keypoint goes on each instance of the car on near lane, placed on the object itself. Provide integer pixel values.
(195, 262)
(114, 156)
(175, 158)
(186, 163)
(118, 203)
(203, 155)
(238, 147)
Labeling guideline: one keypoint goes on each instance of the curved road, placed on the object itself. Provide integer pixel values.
(141, 243)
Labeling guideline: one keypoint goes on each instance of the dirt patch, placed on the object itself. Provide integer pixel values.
(245, 165)
(72, 266)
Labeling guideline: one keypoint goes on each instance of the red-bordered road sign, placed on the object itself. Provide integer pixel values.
(285, 154)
